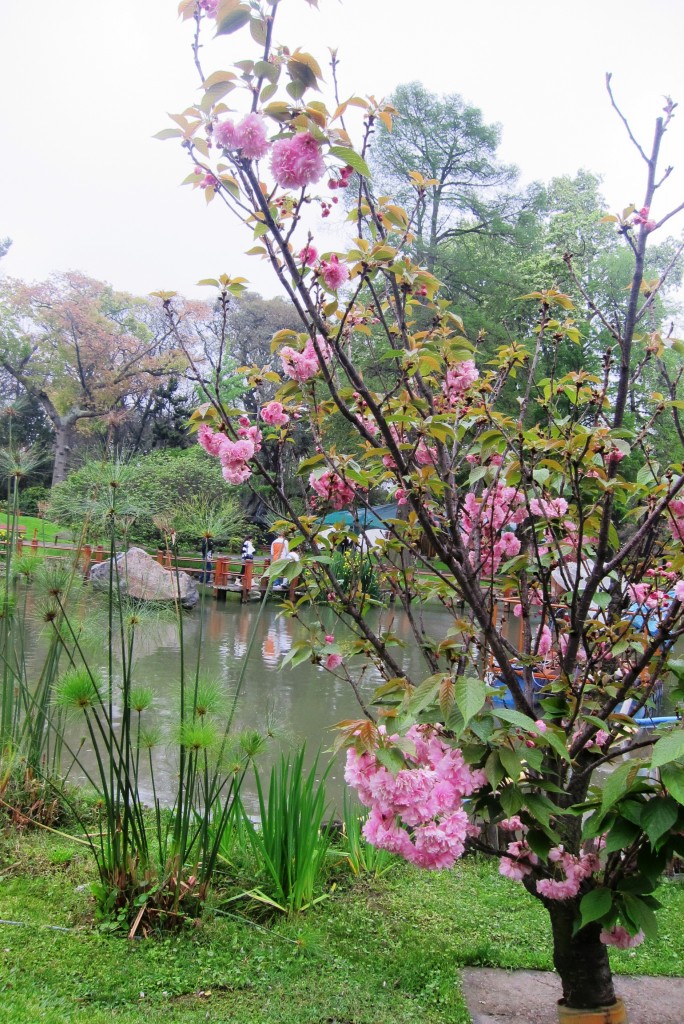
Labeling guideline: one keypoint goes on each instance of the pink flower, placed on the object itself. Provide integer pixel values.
(251, 137)
(679, 590)
(334, 273)
(303, 365)
(458, 379)
(401, 496)
(236, 473)
(209, 440)
(208, 181)
(438, 846)
(333, 661)
(209, 7)
(425, 454)
(298, 161)
(545, 640)
(620, 937)
(273, 414)
(333, 488)
(519, 862)
(383, 831)
(226, 134)
(550, 508)
(541, 726)
(513, 824)
(330, 639)
(308, 255)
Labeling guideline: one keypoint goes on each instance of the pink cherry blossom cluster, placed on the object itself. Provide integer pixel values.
(458, 379)
(206, 180)
(574, 869)
(233, 455)
(274, 414)
(549, 508)
(676, 522)
(426, 455)
(642, 218)
(417, 813)
(249, 137)
(334, 273)
(483, 521)
(333, 488)
(308, 255)
(620, 938)
(518, 862)
(305, 364)
(209, 7)
(298, 161)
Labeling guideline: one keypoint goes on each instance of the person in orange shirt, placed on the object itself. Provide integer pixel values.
(279, 550)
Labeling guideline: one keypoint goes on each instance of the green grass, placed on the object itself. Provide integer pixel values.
(374, 953)
(47, 531)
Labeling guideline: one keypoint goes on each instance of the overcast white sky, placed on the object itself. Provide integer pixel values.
(84, 85)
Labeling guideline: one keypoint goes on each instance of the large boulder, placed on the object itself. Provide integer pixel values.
(144, 579)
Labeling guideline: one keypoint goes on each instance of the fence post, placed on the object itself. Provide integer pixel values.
(87, 554)
(20, 545)
(263, 583)
(34, 541)
(247, 580)
(160, 556)
(99, 553)
(167, 559)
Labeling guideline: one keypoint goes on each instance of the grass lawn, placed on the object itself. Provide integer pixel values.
(377, 952)
(47, 531)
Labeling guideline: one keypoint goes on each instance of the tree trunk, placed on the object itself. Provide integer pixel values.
(63, 440)
(581, 960)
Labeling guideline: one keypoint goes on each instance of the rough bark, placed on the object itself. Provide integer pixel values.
(64, 430)
(581, 960)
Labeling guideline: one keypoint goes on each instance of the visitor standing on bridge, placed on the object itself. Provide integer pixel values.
(279, 550)
(247, 554)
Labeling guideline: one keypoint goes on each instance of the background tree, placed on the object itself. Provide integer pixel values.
(447, 142)
(81, 352)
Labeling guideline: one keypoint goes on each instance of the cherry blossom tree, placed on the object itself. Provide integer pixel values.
(497, 744)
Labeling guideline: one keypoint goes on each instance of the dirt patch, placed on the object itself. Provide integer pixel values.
(530, 997)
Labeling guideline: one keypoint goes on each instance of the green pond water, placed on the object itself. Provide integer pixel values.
(298, 704)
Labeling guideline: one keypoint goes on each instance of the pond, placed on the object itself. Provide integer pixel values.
(299, 705)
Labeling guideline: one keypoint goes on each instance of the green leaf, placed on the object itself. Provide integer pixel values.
(622, 834)
(511, 800)
(517, 718)
(658, 817)
(595, 905)
(351, 157)
(668, 748)
(617, 784)
(640, 915)
(233, 21)
(425, 694)
(391, 759)
(539, 842)
(470, 696)
(493, 769)
(511, 762)
(672, 777)
(540, 808)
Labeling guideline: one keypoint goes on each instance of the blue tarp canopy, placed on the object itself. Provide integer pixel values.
(361, 519)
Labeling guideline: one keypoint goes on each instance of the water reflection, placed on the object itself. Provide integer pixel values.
(297, 704)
